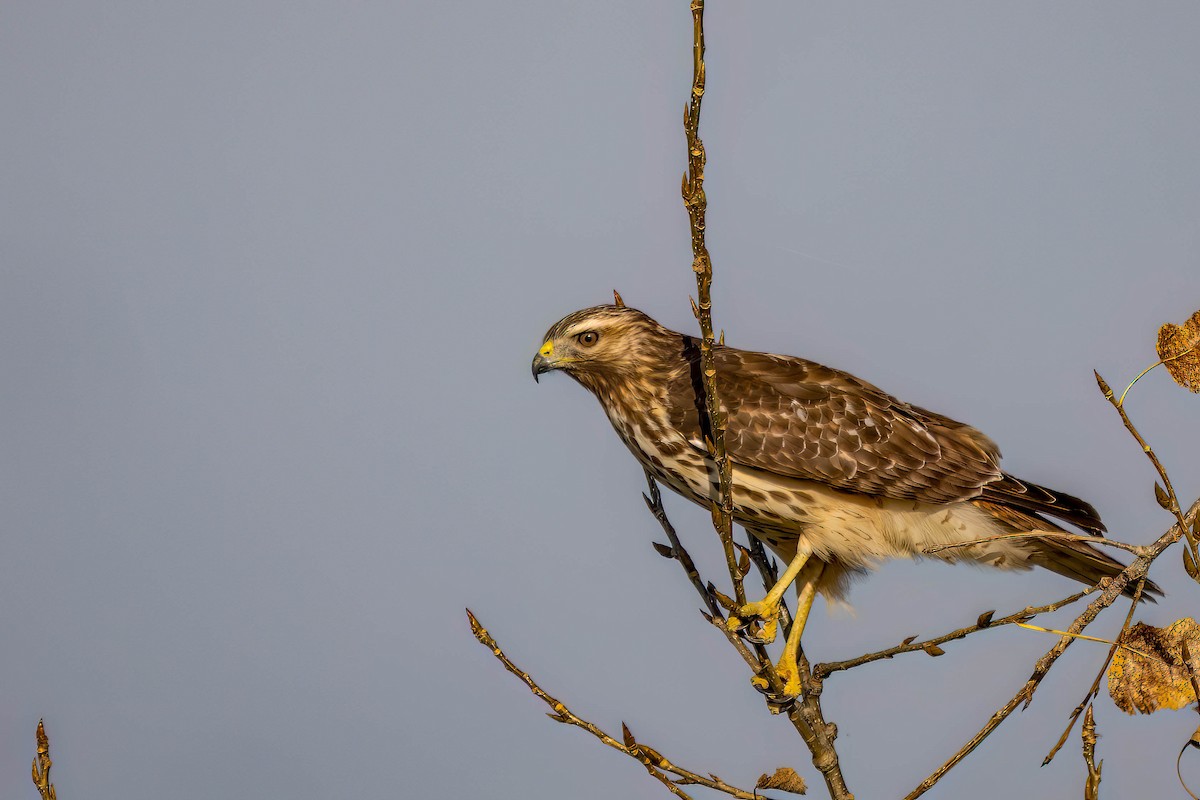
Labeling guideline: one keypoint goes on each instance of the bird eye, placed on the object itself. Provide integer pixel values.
(588, 338)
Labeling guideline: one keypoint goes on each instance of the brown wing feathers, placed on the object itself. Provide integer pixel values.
(800, 419)
(1027, 496)
(797, 418)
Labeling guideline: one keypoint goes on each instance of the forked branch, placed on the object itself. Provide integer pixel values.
(805, 714)
(659, 767)
(930, 646)
(1134, 572)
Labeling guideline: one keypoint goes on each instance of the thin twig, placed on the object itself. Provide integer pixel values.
(655, 763)
(680, 554)
(677, 551)
(42, 764)
(1167, 498)
(985, 622)
(1162, 472)
(1095, 687)
(1096, 639)
(1136, 549)
(1091, 788)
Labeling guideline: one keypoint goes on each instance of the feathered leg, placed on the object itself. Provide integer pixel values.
(788, 667)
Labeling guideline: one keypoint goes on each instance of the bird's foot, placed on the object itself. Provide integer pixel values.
(764, 611)
(761, 632)
(789, 673)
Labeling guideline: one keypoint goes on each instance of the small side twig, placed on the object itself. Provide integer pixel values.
(1167, 498)
(42, 764)
(985, 622)
(1091, 787)
(679, 553)
(1136, 549)
(1094, 689)
(655, 763)
(1119, 405)
(677, 550)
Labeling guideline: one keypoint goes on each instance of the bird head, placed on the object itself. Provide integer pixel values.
(597, 342)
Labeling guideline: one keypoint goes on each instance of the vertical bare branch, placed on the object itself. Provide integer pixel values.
(806, 713)
(696, 204)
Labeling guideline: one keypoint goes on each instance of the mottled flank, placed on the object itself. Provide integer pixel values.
(817, 454)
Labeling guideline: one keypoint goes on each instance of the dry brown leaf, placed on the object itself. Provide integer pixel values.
(785, 779)
(1156, 675)
(1179, 349)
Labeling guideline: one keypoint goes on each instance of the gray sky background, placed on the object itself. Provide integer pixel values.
(273, 273)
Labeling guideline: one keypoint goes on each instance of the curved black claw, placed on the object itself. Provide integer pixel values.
(775, 702)
(754, 629)
(755, 635)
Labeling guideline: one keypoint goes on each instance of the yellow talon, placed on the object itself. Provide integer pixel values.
(789, 671)
(766, 612)
(766, 634)
(767, 609)
(788, 668)
(763, 609)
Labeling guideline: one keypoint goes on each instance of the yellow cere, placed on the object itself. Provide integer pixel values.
(547, 349)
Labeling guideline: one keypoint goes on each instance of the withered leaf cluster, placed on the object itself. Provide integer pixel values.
(785, 779)
(1156, 667)
(1179, 348)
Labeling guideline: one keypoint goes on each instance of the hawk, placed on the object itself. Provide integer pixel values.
(831, 473)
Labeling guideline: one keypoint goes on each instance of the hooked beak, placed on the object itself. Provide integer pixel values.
(541, 364)
(544, 360)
